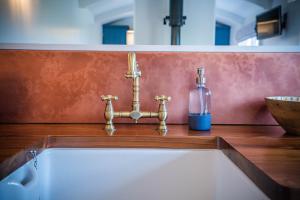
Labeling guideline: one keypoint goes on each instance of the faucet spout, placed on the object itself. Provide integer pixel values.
(133, 69)
(135, 74)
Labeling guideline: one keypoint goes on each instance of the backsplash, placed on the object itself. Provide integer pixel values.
(65, 86)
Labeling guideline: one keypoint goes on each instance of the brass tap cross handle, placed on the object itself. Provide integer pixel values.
(162, 98)
(162, 113)
(108, 97)
(109, 113)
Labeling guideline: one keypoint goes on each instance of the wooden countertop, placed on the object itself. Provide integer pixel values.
(272, 152)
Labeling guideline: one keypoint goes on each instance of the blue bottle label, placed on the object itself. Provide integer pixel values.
(200, 122)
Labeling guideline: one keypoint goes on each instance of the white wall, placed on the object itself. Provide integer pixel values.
(198, 30)
(128, 21)
(148, 22)
(200, 24)
(46, 22)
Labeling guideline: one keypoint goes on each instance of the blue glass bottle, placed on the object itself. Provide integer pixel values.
(199, 104)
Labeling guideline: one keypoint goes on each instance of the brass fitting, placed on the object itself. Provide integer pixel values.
(162, 113)
(135, 114)
(109, 113)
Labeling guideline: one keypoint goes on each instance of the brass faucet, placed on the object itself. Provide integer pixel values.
(135, 114)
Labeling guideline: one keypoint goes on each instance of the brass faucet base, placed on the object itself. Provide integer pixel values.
(162, 129)
(110, 129)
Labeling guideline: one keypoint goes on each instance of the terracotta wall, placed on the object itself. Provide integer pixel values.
(65, 86)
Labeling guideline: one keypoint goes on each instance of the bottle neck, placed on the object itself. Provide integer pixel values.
(199, 85)
(200, 80)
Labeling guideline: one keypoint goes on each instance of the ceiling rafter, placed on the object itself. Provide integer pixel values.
(115, 14)
(230, 15)
(266, 4)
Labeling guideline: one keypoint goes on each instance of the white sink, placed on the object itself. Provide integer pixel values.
(133, 174)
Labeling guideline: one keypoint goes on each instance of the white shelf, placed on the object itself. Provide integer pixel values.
(149, 48)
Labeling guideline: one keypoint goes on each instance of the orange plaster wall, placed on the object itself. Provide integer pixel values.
(65, 86)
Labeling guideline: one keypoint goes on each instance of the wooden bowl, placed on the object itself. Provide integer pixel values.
(286, 111)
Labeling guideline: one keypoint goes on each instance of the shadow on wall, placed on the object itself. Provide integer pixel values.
(13, 92)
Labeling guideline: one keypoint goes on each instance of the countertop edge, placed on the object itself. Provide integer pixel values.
(270, 187)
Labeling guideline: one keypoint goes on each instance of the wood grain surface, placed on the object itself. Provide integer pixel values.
(270, 158)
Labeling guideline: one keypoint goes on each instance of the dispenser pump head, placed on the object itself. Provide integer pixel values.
(201, 76)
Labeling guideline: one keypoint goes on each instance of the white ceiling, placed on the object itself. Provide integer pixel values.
(105, 11)
(238, 11)
(232, 12)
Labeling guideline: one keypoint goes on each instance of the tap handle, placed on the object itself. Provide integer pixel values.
(108, 97)
(162, 113)
(109, 113)
(162, 98)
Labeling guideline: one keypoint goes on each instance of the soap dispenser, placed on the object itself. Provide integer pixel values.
(199, 104)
